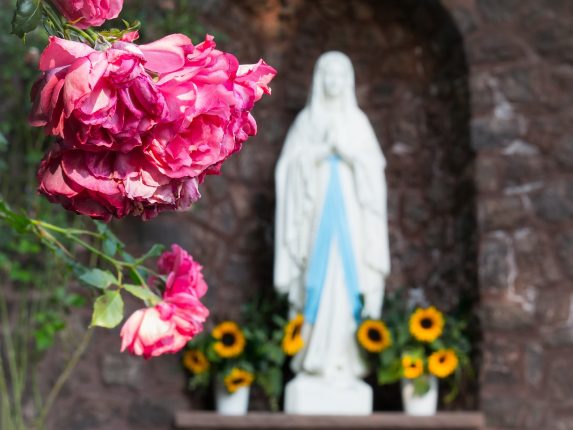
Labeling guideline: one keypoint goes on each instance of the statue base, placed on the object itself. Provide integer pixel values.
(316, 395)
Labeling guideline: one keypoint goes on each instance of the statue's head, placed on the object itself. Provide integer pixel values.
(333, 79)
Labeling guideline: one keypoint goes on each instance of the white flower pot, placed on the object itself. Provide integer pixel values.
(236, 403)
(424, 405)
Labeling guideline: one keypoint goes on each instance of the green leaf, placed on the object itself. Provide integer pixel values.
(271, 382)
(27, 16)
(109, 246)
(108, 310)
(390, 374)
(388, 357)
(421, 385)
(98, 278)
(142, 293)
(155, 251)
(437, 345)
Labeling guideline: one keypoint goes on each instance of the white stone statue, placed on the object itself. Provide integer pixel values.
(331, 247)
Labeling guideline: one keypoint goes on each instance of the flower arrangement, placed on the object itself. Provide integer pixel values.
(416, 345)
(241, 355)
(220, 355)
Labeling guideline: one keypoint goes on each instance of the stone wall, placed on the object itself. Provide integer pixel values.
(470, 100)
(521, 81)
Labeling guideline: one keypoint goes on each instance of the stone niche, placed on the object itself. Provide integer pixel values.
(411, 77)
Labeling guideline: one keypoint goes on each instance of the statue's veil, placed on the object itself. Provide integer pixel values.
(316, 99)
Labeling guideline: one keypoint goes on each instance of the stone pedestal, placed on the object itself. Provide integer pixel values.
(314, 395)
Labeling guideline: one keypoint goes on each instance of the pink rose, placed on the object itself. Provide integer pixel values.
(132, 144)
(88, 13)
(162, 329)
(209, 96)
(111, 184)
(184, 274)
(96, 100)
(168, 326)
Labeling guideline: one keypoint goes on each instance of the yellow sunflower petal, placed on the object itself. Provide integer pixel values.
(426, 325)
(195, 361)
(374, 336)
(293, 341)
(412, 367)
(443, 363)
(238, 378)
(230, 340)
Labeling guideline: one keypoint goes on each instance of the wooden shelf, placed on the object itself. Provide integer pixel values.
(444, 420)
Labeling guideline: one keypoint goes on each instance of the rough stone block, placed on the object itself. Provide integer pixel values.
(561, 379)
(501, 212)
(495, 262)
(121, 369)
(555, 201)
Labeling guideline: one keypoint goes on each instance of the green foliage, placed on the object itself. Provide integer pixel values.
(142, 293)
(421, 385)
(98, 278)
(108, 310)
(27, 16)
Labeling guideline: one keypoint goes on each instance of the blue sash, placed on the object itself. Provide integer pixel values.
(333, 225)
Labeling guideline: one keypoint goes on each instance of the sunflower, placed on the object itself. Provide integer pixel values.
(413, 367)
(442, 363)
(238, 378)
(427, 324)
(374, 336)
(230, 340)
(195, 361)
(292, 340)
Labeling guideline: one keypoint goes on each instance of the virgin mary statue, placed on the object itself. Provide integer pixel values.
(331, 255)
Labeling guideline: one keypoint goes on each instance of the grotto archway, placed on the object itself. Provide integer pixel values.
(411, 75)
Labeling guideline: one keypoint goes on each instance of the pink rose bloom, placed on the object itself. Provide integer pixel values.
(96, 100)
(162, 329)
(88, 13)
(103, 185)
(184, 274)
(209, 96)
(168, 327)
(132, 144)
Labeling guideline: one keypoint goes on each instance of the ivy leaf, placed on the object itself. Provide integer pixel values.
(108, 310)
(142, 293)
(27, 16)
(98, 278)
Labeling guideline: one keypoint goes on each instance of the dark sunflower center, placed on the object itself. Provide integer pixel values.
(296, 331)
(374, 335)
(238, 381)
(413, 365)
(196, 359)
(426, 323)
(442, 359)
(228, 339)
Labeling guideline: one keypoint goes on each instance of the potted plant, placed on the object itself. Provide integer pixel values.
(232, 358)
(219, 357)
(420, 348)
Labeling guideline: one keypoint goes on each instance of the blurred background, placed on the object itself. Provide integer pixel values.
(472, 103)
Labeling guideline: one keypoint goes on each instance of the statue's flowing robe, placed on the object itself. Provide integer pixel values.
(302, 178)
